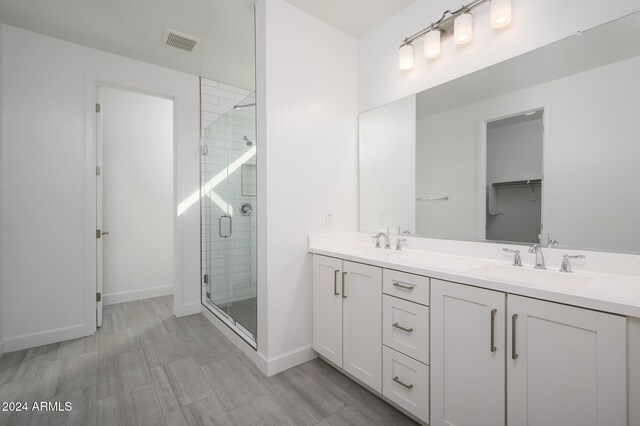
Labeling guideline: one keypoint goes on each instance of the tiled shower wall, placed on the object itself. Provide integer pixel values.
(229, 262)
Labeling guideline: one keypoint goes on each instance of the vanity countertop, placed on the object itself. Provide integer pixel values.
(603, 291)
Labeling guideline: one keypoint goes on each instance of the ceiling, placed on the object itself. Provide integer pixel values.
(354, 17)
(134, 28)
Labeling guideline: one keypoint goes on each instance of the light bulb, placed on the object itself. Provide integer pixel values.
(406, 57)
(500, 13)
(432, 44)
(463, 28)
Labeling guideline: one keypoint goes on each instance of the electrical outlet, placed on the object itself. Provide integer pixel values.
(380, 218)
(328, 220)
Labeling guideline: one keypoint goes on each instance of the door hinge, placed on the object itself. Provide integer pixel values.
(98, 171)
(97, 107)
(98, 297)
(98, 233)
(206, 278)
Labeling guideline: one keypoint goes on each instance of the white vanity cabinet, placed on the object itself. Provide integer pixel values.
(347, 317)
(467, 355)
(567, 367)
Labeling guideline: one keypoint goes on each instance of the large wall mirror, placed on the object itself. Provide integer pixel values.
(542, 148)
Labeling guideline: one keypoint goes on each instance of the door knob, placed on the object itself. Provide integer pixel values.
(105, 232)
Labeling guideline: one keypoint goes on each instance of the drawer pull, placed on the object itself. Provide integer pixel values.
(335, 282)
(493, 330)
(406, 330)
(404, 385)
(514, 353)
(403, 286)
(344, 276)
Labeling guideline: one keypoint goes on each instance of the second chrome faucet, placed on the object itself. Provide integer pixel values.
(535, 248)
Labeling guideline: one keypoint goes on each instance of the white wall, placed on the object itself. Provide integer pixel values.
(307, 165)
(47, 193)
(388, 182)
(447, 169)
(535, 24)
(137, 195)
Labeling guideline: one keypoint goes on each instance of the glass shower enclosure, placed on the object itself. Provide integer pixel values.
(228, 185)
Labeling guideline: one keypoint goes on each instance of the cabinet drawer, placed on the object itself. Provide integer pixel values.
(405, 327)
(405, 381)
(406, 286)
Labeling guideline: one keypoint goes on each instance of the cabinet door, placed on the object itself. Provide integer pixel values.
(362, 323)
(568, 366)
(327, 308)
(467, 364)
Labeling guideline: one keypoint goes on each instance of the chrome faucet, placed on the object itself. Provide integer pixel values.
(399, 242)
(387, 244)
(535, 248)
(565, 266)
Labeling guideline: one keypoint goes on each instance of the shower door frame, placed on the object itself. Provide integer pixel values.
(224, 317)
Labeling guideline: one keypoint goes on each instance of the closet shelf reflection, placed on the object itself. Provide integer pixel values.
(518, 182)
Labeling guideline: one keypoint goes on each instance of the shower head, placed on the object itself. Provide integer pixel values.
(247, 141)
(243, 106)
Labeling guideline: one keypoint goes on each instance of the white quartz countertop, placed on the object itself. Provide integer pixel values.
(608, 292)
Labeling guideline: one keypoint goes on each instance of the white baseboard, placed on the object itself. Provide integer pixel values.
(189, 309)
(268, 367)
(55, 335)
(290, 359)
(129, 296)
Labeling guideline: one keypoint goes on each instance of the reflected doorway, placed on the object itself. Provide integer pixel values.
(514, 157)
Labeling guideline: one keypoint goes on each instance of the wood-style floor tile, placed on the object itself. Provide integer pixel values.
(146, 367)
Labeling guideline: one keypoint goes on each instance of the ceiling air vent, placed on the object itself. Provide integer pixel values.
(179, 40)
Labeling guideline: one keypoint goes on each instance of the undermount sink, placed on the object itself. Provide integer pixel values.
(530, 276)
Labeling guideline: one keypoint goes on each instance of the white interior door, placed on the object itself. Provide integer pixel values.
(99, 267)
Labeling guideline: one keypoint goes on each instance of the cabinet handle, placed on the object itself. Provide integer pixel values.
(344, 276)
(335, 282)
(514, 354)
(406, 330)
(403, 286)
(493, 330)
(404, 385)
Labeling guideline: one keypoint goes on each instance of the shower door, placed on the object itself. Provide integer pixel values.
(228, 190)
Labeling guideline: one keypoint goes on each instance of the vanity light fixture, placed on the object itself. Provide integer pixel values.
(463, 28)
(432, 43)
(500, 13)
(406, 56)
(457, 24)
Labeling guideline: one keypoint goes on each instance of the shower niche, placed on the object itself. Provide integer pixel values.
(228, 194)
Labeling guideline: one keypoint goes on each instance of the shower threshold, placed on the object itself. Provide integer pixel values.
(232, 323)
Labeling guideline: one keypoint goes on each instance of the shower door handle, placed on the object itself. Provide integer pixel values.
(225, 234)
